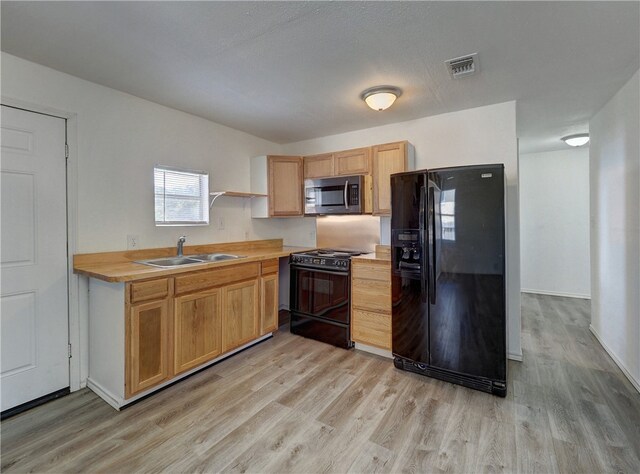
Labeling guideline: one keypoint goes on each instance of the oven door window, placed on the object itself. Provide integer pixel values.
(322, 294)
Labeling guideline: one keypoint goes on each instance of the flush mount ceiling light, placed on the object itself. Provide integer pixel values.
(381, 97)
(577, 139)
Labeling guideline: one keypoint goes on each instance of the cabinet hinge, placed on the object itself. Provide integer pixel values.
(69, 350)
(66, 150)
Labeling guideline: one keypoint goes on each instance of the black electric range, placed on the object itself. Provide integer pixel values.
(320, 297)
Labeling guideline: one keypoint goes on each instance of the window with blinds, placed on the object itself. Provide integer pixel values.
(181, 196)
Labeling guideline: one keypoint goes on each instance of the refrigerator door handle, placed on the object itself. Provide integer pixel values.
(431, 217)
(423, 249)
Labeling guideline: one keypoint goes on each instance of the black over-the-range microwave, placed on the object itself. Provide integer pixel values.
(338, 195)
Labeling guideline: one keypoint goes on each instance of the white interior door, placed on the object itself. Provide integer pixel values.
(34, 321)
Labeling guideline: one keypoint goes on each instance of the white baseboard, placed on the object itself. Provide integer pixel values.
(515, 356)
(615, 358)
(373, 350)
(118, 402)
(103, 393)
(556, 293)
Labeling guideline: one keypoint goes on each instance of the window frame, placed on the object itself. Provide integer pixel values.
(203, 198)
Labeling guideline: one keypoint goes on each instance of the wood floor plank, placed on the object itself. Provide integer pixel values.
(296, 405)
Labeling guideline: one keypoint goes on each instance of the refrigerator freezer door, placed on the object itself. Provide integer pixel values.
(467, 321)
(410, 307)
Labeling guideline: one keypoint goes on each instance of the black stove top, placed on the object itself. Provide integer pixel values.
(332, 253)
(336, 259)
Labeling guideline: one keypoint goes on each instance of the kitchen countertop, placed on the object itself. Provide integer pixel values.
(382, 255)
(120, 266)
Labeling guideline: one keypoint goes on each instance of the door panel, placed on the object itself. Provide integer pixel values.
(269, 303)
(18, 218)
(148, 331)
(241, 314)
(197, 329)
(34, 323)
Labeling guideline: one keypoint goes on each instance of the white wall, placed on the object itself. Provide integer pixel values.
(554, 222)
(473, 136)
(119, 139)
(615, 227)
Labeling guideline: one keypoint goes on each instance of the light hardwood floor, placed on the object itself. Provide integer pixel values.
(295, 405)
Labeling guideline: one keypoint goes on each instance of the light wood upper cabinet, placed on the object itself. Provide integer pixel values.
(285, 186)
(241, 313)
(279, 179)
(318, 166)
(147, 345)
(352, 162)
(387, 159)
(197, 329)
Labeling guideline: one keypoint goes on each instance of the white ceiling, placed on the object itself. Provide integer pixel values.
(289, 71)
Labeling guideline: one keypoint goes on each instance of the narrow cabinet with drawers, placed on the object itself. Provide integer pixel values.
(371, 302)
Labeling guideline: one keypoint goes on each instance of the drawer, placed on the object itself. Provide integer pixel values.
(216, 277)
(373, 329)
(371, 295)
(149, 290)
(270, 266)
(372, 271)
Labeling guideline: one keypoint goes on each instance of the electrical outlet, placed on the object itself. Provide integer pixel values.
(133, 242)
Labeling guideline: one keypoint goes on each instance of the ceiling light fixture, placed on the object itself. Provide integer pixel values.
(577, 139)
(381, 97)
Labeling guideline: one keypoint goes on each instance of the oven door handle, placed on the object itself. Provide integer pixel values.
(319, 269)
(346, 194)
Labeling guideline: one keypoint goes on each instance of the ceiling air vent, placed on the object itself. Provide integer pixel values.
(463, 66)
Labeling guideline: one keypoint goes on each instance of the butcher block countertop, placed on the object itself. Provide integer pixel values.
(120, 266)
(382, 255)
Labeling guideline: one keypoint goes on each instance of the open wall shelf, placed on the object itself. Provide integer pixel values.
(215, 195)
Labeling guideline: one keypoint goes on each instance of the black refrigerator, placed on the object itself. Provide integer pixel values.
(448, 275)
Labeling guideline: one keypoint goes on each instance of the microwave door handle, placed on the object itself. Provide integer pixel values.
(346, 194)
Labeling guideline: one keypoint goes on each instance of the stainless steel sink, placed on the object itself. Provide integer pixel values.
(169, 262)
(190, 260)
(215, 257)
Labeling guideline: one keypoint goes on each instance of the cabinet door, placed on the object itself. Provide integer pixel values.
(387, 159)
(269, 303)
(241, 309)
(352, 162)
(147, 340)
(318, 166)
(285, 186)
(197, 329)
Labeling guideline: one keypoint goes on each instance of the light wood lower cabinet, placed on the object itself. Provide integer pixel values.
(195, 318)
(241, 314)
(371, 303)
(269, 303)
(197, 329)
(147, 344)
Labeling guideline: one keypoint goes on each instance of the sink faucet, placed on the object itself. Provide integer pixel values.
(181, 242)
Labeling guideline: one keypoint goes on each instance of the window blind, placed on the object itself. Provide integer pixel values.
(181, 196)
